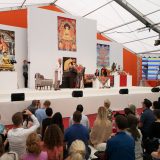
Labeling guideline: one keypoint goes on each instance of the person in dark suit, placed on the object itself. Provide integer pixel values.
(25, 73)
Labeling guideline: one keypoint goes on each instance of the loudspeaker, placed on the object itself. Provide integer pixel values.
(123, 91)
(17, 97)
(77, 94)
(155, 89)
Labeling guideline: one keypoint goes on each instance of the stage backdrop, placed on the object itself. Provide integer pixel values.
(43, 40)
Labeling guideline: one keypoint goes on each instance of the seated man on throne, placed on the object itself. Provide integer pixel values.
(104, 72)
(6, 63)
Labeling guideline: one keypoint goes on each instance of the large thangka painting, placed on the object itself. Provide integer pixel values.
(103, 55)
(7, 49)
(67, 34)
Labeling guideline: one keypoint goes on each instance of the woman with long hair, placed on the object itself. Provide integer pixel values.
(57, 119)
(53, 142)
(101, 131)
(136, 134)
(33, 149)
(77, 150)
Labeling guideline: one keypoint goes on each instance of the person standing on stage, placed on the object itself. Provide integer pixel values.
(58, 75)
(25, 73)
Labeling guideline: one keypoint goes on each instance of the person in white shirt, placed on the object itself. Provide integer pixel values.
(84, 120)
(18, 135)
(58, 75)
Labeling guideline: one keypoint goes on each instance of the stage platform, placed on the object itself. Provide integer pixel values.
(62, 101)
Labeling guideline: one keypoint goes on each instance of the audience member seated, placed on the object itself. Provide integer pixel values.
(77, 131)
(156, 155)
(128, 112)
(33, 149)
(121, 146)
(107, 105)
(84, 120)
(156, 105)
(41, 112)
(1, 146)
(53, 142)
(47, 121)
(146, 119)
(77, 151)
(104, 71)
(33, 107)
(96, 73)
(155, 126)
(101, 131)
(57, 119)
(7, 155)
(132, 107)
(136, 134)
(18, 135)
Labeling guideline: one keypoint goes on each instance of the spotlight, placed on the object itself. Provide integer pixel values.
(157, 42)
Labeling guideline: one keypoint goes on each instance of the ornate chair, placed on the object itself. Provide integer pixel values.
(41, 82)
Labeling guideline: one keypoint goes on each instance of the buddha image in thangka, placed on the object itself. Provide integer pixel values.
(66, 34)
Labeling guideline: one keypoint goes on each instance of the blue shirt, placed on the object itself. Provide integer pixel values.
(74, 132)
(120, 147)
(41, 114)
(147, 118)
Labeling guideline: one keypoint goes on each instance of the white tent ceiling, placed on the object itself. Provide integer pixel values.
(111, 19)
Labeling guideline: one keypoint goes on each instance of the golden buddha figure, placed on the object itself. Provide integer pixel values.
(5, 62)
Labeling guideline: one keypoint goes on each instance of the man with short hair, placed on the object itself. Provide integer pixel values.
(76, 131)
(18, 135)
(147, 118)
(47, 121)
(41, 112)
(121, 146)
(84, 119)
(32, 108)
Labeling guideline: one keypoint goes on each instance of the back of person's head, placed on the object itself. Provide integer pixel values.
(102, 113)
(10, 156)
(57, 118)
(79, 108)
(107, 103)
(132, 107)
(147, 103)
(121, 122)
(1, 146)
(49, 112)
(32, 144)
(127, 111)
(77, 116)
(77, 150)
(53, 137)
(17, 118)
(34, 102)
(132, 126)
(157, 113)
(156, 105)
(46, 103)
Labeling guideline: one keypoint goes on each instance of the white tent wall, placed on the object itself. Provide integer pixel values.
(43, 43)
(20, 50)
